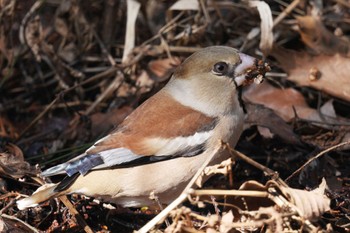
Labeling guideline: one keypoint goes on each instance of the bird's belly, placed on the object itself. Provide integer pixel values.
(133, 186)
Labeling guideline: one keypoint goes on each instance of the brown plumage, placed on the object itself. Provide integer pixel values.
(174, 117)
(161, 145)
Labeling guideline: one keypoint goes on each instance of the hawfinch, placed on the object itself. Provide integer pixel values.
(160, 145)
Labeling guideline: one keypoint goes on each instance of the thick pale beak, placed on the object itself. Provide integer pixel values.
(250, 70)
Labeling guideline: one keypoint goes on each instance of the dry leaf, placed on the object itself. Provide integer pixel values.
(312, 204)
(267, 120)
(226, 221)
(282, 101)
(185, 5)
(14, 225)
(12, 163)
(163, 68)
(266, 25)
(317, 37)
(287, 102)
(222, 168)
(144, 82)
(333, 71)
(265, 132)
(309, 204)
(133, 8)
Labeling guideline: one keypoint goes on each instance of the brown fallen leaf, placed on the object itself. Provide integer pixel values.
(316, 36)
(289, 103)
(163, 68)
(266, 118)
(282, 101)
(333, 71)
(12, 162)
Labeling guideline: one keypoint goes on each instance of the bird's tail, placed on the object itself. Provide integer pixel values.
(43, 193)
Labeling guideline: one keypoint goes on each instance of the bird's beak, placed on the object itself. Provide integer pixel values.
(250, 70)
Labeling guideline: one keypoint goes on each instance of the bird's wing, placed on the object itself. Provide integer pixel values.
(160, 129)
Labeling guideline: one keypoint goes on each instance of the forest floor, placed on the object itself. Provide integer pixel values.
(70, 71)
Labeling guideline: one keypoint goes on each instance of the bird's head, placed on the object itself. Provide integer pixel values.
(208, 79)
(219, 63)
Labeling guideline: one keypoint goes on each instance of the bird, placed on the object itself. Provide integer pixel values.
(163, 142)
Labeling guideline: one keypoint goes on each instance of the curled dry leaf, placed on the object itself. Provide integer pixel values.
(266, 25)
(311, 204)
(222, 168)
(308, 204)
(333, 71)
(12, 162)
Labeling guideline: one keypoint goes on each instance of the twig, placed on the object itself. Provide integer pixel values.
(171, 24)
(183, 196)
(245, 158)
(205, 11)
(111, 88)
(19, 220)
(219, 192)
(316, 157)
(7, 206)
(37, 118)
(103, 48)
(104, 74)
(286, 12)
(76, 214)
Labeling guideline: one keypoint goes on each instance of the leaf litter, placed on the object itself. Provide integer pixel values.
(71, 71)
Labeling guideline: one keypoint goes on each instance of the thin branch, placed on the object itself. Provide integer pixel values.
(316, 157)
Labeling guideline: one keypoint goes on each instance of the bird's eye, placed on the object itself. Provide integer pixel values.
(220, 68)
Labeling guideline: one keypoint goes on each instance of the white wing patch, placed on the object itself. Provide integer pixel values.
(117, 156)
(171, 146)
